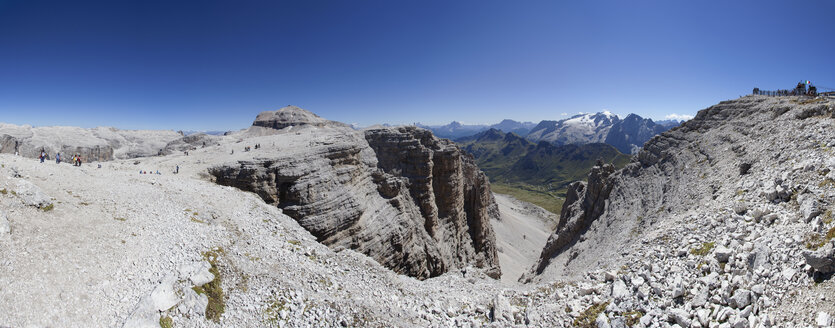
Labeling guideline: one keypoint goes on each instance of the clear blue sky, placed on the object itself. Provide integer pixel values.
(215, 64)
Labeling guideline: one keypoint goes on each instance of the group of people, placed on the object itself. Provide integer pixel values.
(248, 148)
(149, 172)
(76, 159)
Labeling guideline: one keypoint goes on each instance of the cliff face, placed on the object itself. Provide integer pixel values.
(584, 203)
(452, 194)
(97, 144)
(413, 202)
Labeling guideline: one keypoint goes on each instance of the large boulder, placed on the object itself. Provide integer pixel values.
(822, 260)
(31, 195)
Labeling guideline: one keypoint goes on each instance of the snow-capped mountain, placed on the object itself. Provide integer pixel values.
(627, 135)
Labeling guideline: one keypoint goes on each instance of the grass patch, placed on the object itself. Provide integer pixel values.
(828, 182)
(827, 217)
(551, 201)
(633, 317)
(120, 219)
(587, 318)
(294, 242)
(166, 322)
(48, 208)
(194, 219)
(84, 203)
(4, 191)
(704, 250)
(213, 289)
(815, 240)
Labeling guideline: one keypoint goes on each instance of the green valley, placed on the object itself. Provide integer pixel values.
(536, 173)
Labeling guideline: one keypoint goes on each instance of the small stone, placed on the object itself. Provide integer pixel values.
(602, 321)
(823, 319)
(722, 254)
(740, 299)
(619, 290)
(681, 317)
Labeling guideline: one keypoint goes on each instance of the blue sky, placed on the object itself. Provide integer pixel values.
(213, 65)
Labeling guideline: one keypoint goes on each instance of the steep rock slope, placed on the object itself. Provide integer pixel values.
(97, 144)
(719, 217)
(414, 203)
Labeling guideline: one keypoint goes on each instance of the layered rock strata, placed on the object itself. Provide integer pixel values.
(414, 203)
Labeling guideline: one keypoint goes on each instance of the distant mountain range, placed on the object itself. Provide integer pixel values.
(457, 130)
(627, 135)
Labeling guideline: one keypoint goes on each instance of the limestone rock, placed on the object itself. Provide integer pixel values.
(584, 203)
(681, 317)
(722, 253)
(5, 227)
(822, 260)
(415, 203)
(289, 116)
(163, 296)
(97, 144)
(741, 298)
(200, 274)
(809, 206)
(190, 142)
(31, 195)
(823, 320)
(619, 290)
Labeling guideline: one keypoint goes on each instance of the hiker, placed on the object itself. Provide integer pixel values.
(43, 156)
(58, 158)
(177, 170)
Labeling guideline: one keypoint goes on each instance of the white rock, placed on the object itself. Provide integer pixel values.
(602, 321)
(201, 275)
(619, 290)
(681, 317)
(823, 319)
(740, 299)
(5, 227)
(31, 195)
(163, 297)
(722, 253)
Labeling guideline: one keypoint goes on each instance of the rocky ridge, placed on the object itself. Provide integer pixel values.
(97, 144)
(415, 203)
(715, 223)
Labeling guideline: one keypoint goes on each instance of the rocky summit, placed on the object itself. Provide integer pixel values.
(723, 221)
(415, 203)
